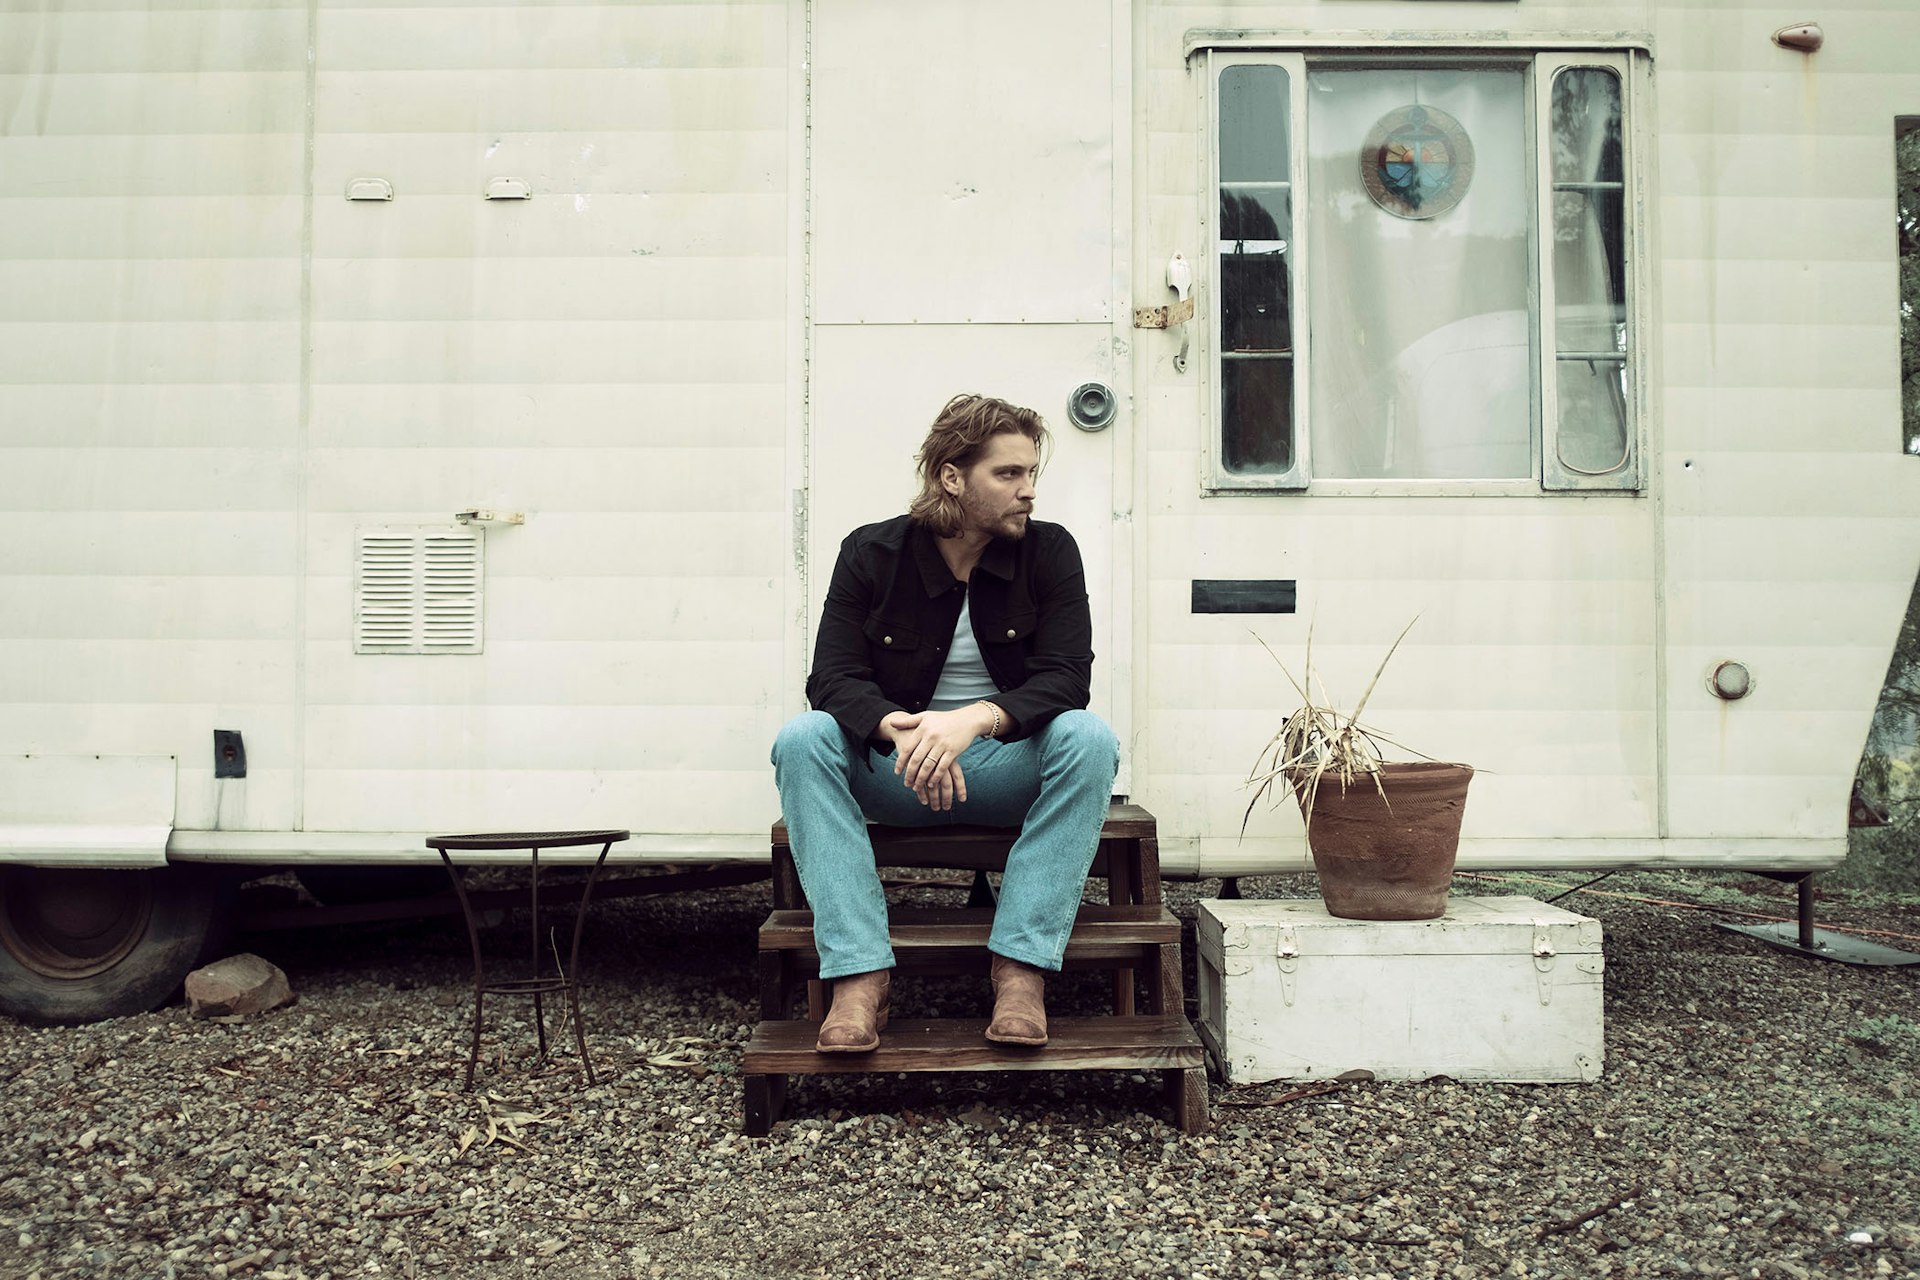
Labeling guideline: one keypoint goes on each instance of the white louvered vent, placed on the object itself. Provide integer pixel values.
(416, 589)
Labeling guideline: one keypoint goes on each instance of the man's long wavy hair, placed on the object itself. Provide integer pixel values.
(960, 436)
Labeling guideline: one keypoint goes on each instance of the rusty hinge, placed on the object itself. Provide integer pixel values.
(1163, 317)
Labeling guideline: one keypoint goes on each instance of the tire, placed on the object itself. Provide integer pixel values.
(350, 886)
(82, 945)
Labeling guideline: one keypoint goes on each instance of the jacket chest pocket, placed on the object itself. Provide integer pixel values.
(895, 646)
(1015, 628)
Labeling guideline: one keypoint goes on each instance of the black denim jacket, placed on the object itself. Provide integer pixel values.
(892, 606)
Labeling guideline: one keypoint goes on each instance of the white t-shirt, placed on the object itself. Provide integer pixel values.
(964, 679)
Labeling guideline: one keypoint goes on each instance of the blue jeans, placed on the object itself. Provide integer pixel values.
(1054, 786)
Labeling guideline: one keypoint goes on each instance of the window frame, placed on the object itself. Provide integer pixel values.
(1541, 61)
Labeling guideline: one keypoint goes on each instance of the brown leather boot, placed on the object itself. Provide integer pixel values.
(1019, 1004)
(858, 1013)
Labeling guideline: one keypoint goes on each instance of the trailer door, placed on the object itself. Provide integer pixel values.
(968, 233)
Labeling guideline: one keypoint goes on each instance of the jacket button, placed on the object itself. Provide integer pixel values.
(886, 639)
(1010, 633)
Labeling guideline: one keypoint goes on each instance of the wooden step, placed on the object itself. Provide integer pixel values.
(959, 1044)
(1100, 933)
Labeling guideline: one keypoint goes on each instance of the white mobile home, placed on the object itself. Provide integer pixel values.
(442, 417)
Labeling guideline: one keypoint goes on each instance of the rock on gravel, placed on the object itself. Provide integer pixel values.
(236, 986)
(1757, 1117)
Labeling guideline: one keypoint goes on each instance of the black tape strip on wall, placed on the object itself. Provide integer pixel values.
(1243, 595)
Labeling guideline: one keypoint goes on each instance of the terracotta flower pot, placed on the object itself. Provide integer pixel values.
(1391, 858)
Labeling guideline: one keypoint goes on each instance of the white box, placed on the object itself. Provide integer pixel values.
(1497, 989)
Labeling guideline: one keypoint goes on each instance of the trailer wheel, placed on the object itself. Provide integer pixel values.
(81, 945)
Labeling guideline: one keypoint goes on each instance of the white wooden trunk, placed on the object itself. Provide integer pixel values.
(1504, 988)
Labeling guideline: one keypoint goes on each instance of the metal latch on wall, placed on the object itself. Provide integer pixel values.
(1543, 954)
(1180, 280)
(1287, 955)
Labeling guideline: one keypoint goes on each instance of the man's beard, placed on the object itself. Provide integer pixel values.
(998, 523)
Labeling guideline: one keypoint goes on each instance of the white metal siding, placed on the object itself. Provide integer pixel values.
(607, 357)
(150, 214)
(1791, 535)
(182, 488)
(1778, 524)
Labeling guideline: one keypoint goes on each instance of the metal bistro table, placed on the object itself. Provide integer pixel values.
(536, 984)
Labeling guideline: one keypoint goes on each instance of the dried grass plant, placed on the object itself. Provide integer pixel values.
(1319, 741)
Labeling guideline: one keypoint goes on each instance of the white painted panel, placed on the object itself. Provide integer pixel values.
(720, 416)
(583, 673)
(142, 728)
(406, 37)
(679, 802)
(149, 401)
(609, 358)
(1782, 354)
(567, 225)
(120, 415)
(582, 99)
(969, 186)
(644, 158)
(533, 480)
(1551, 742)
(634, 288)
(179, 290)
(1767, 548)
(186, 226)
(146, 607)
(243, 543)
(1732, 164)
(1701, 291)
(1784, 419)
(401, 738)
(226, 351)
(160, 102)
(878, 388)
(86, 672)
(1760, 805)
(152, 40)
(130, 479)
(91, 810)
(1831, 229)
(167, 165)
(614, 544)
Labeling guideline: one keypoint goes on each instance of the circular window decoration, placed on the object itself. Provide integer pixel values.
(1417, 162)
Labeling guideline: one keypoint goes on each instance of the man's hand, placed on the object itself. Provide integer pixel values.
(927, 747)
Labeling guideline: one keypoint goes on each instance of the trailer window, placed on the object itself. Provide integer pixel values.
(1256, 225)
(1423, 272)
(1588, 250)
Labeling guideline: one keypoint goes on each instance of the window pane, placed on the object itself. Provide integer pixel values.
(1593, 433)
(1253, 124)
(1586, 126)
(1254, 259)
(1592, 439)
(1589, 272)
(1256, 403)
(1422, 358)
(1254, 310)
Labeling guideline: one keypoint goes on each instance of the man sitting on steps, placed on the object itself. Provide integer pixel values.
(949, 685)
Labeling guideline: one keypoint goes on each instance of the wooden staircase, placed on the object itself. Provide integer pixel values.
(1133, 936)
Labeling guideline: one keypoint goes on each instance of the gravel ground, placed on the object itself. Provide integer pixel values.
(1756, 1111)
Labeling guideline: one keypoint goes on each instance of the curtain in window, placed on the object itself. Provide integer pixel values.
(1422, 363)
